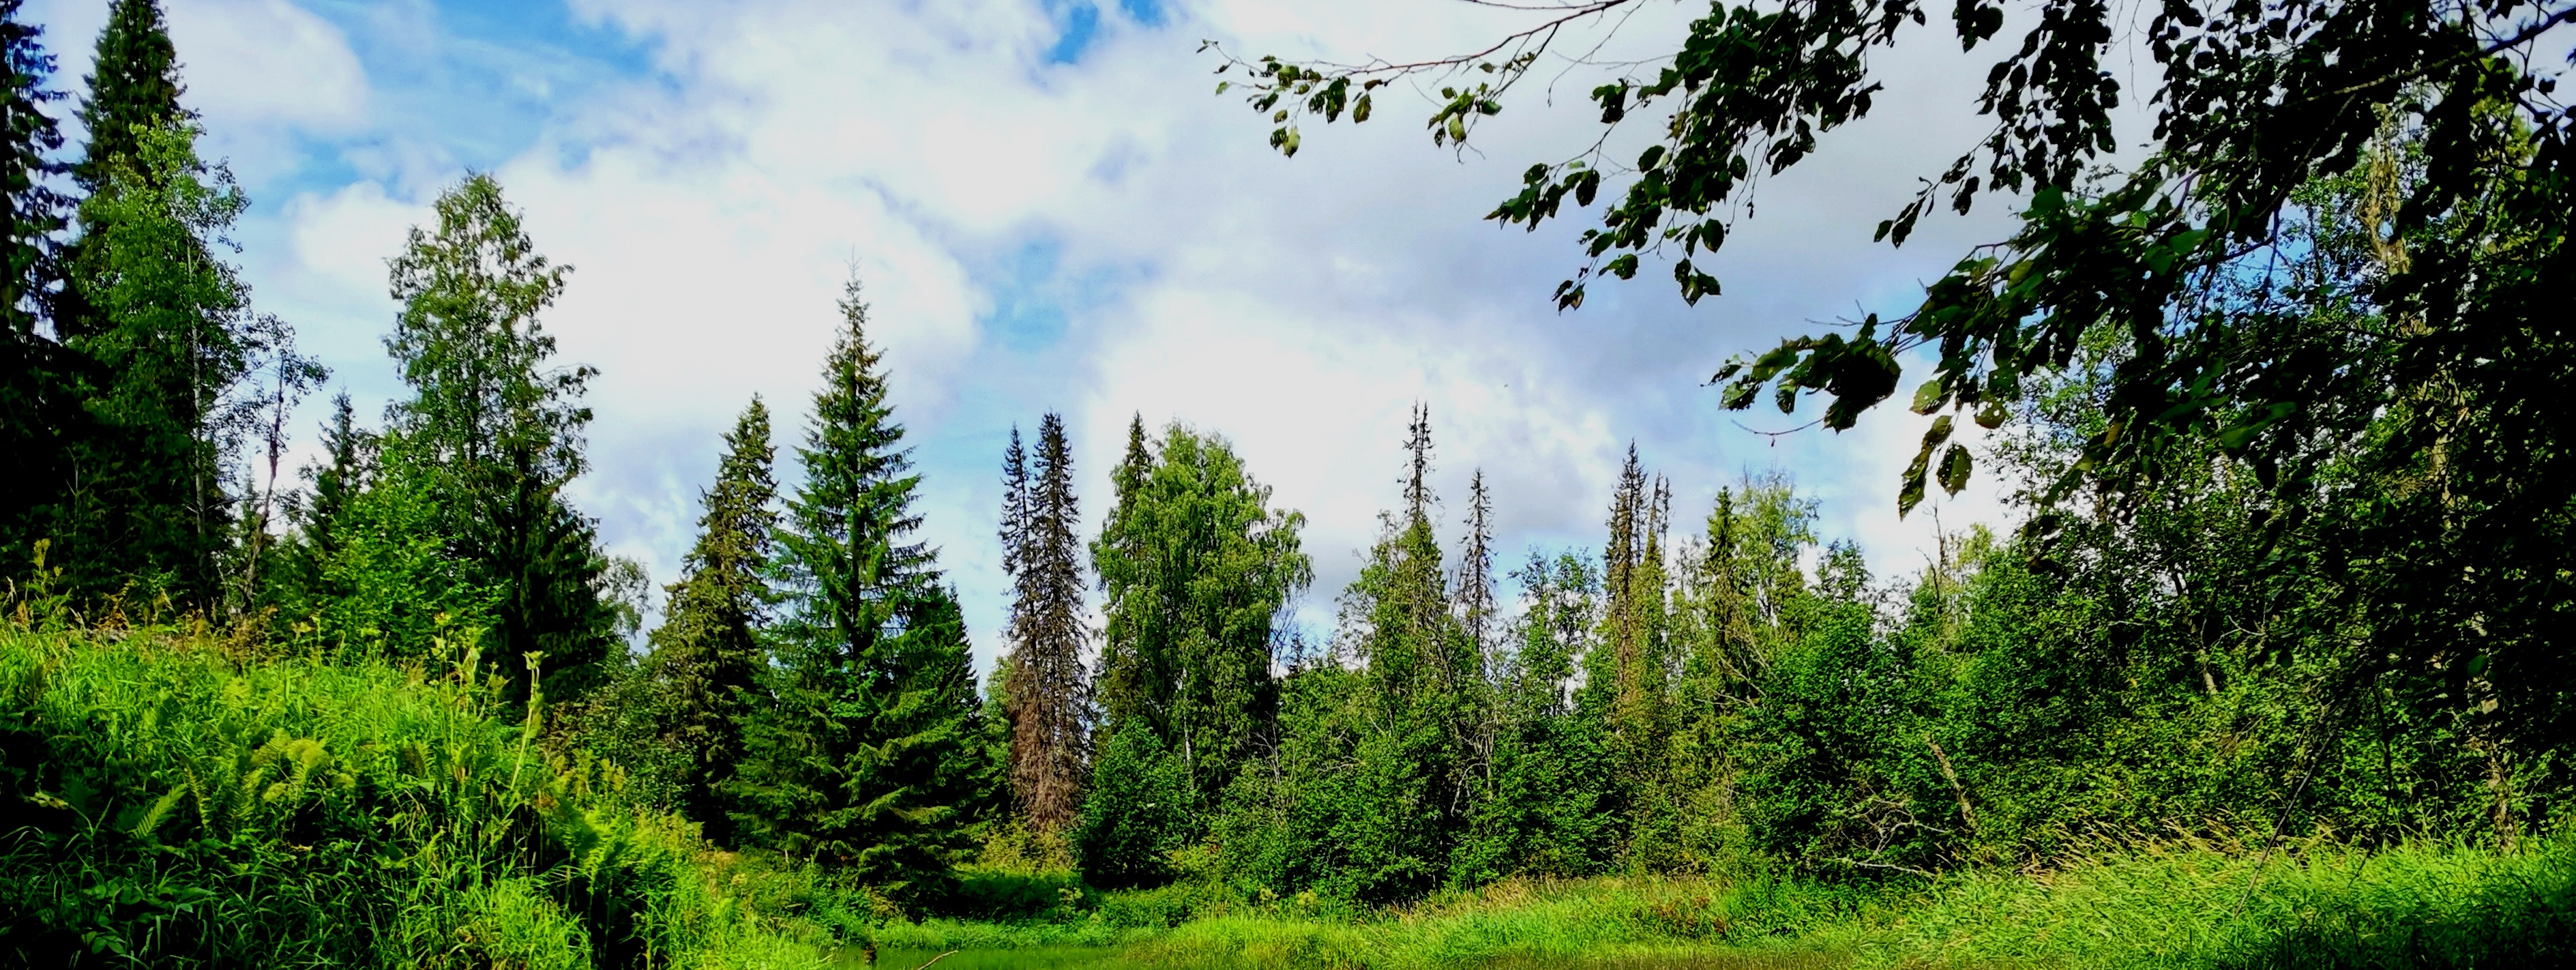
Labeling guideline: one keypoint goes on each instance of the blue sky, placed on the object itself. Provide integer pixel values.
(1049, 212)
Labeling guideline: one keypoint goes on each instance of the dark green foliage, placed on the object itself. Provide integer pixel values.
(1048, 691)
(703, 679)
(1627, 671)
(1414, 723)
(1136, 812)
(872, 760)
(1542, 811)
(493, 433)
(133, 88)
(2385, 366)
(37, 409)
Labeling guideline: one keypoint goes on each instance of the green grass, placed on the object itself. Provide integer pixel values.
(179, 802)
(2173, 907)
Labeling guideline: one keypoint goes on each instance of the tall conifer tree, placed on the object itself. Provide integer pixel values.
(707, 656)
(36, 408)
(1049, 692)
(133, 86)
(873, 761)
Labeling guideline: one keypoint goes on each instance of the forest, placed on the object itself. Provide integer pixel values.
(2272, 670)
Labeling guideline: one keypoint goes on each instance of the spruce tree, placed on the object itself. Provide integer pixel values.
(1625, 672)
(37, 409)
(1412, 790)
(707, 656)
(133, 86)
(872, 761)
(321, 518)
(497, 428)
(1474, 586)
(1048, 690)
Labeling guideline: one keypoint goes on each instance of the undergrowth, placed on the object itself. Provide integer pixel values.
(177, 802)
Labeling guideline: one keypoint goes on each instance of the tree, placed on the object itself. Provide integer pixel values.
(1545, 811)
(1196, 568)
(872, 760)
(2448, 372)
(1626, 670)
(707, 656)
(134, 87)
(36, 408)
(1048, 693)
(166, 343)
(1413, 784)
(498, 430)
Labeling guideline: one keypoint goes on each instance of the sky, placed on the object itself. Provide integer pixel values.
(1050, 211)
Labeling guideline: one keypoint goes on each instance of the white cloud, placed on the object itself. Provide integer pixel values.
(268, 62)
(1297, 306)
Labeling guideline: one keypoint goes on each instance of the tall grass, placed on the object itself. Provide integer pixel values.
(177, 802)
(2183, 906)
(186, 805)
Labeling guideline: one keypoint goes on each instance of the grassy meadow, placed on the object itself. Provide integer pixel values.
(188, 801)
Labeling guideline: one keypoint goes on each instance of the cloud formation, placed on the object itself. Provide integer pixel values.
(1047, 221)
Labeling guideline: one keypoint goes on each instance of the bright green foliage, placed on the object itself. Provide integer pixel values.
(872, 761)
(368, 572)
(1196, 568)
(1542, 811)
(166, 339)
(176, 806)
(494, 430)
(703, 680)
(1137, 811)
(1627, 672)
(392, 588)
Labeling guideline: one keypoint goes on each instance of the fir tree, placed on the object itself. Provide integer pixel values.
(873, 761)
(1014, 531)
(133, 87)
(322, 518)
(1474, 586)
(707, 655)
(1048, 691)
(1413, 784)
(37, 409)
(1625, 675)
(498, 430)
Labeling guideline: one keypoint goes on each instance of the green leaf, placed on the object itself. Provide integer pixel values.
(1955, 465)
(1360, 111)
(1928, 398)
